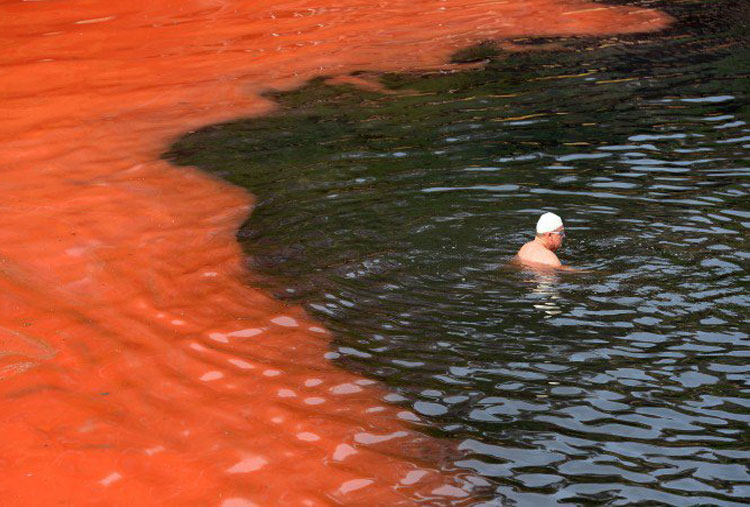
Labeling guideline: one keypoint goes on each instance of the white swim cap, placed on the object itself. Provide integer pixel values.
(548, 223)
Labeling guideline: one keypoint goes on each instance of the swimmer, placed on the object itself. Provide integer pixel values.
(540, 252)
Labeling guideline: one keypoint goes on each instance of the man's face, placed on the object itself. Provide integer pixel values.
(556, 238)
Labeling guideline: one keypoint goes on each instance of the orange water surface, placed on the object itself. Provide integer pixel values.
(138, 366)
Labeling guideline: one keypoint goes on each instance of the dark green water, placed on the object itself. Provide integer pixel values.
(392, 218)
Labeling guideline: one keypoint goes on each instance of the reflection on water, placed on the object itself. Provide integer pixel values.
(391, 218)
(545, 288)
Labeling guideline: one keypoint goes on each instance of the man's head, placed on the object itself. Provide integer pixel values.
(550, 230)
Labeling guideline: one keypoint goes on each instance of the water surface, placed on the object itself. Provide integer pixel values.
(138, 365)
(391, 217)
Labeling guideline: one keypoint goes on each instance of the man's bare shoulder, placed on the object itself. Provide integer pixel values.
(536, 255)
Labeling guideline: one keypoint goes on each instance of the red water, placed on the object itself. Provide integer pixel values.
(137, 365)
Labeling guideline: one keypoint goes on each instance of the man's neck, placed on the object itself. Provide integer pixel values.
(540, 241)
